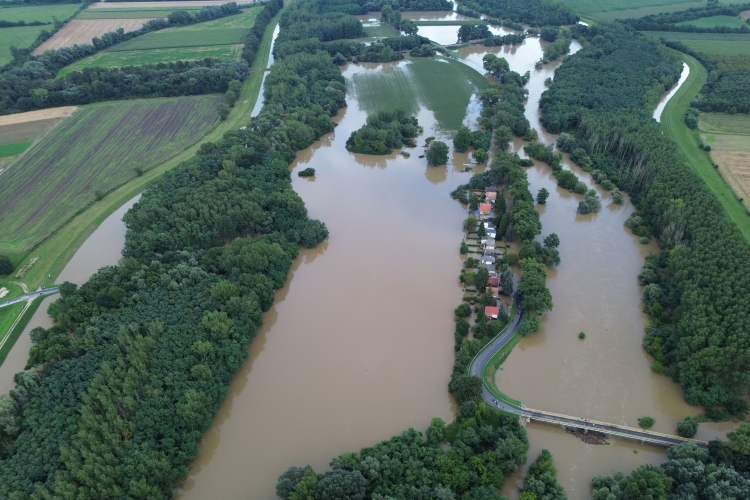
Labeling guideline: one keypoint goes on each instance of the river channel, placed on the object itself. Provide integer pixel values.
(359, 344)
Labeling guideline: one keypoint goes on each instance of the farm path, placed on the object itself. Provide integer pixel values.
(41, 114)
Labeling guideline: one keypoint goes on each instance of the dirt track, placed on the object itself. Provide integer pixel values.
(42, 114)
(79, 31)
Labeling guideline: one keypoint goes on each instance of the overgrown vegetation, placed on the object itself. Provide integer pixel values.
(532, 12)
(384, 131)
(142, 354)
(486, 446)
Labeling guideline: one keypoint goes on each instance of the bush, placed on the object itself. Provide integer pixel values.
(541, 196)
(462, 141)
(98, 194)
(437, 154)
(6, 266)
(480, 156)
(223, 111)
(644, 240)
(462, 311)
(646, 422)
(308, 172)
(687, 427)
(464, 248)
(581, 335)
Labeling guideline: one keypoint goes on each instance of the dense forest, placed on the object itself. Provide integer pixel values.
(532, 12)
(700, 299)
(118, 393)
(689, 472)
(31, 83)
(384, 131)
(357, 7)
(726, 92)
(486, 446)
(667, 21)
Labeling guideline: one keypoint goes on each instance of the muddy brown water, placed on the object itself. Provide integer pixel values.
(359, 346)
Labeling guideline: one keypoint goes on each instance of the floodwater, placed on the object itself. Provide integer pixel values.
(259, 101)
(595, 290)
(668, 95)
(102, 248)
(359, 345)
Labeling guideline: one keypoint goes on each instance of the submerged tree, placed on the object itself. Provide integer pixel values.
(437, 154)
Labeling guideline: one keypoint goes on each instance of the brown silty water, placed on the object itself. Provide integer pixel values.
(359, 344)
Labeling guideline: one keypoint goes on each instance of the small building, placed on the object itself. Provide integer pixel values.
(491, 189)
(491, 312)
(489, 244)
(495, 291)
(493, 281)
(491, 233)
(491, 197)
(488, 261)
(484, 209)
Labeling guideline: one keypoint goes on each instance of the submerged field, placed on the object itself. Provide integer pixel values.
(608, 10)
(418, 81)
(221, 39)
(729, 138)
(96, 150)
(730, 44)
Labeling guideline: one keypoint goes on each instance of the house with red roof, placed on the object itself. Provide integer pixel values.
(493, 281)
(492, 312)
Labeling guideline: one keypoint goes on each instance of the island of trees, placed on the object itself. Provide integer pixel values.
(384, 131)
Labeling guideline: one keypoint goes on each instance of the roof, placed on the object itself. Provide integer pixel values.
(493, 281)
(491, 312)
(489, 242)
(491, 189)
(485, 208)
(494, 291)
(491, 196)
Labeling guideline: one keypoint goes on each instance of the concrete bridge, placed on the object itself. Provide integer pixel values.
(566, 421)
(29, 296)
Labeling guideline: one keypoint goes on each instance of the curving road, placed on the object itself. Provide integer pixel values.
(528, 414)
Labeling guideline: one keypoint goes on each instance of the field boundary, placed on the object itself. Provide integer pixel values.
(673, 120)
(35, 142)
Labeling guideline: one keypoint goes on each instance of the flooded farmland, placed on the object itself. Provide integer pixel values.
(359, 344)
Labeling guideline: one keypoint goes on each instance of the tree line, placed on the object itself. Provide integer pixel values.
(384, 130)
(700, 307)
(668, 21)
(725, 92)
(359, 7)
(117, 394)
(532, 12)
(32, 84)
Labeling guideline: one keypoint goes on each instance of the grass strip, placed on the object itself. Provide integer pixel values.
(493, 365)
(12, 336)
(14, 149)
(673, 119)
(60, 247)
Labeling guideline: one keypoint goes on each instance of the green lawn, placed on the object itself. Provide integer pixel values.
(42, 13)
(180, 39)
(8, 316)
(714, 21)
(444, 86)
(381, 31)
(14, 148)
(123, 14)
(673, 119)
(730, 44)
(95, 150)
(721, 123)
(608, 10)
(19, 37)
(107, 59)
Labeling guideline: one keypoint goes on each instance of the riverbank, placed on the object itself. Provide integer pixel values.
(673, 119)
(54, 253)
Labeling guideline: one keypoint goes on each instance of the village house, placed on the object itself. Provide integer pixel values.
(484, 210)
(495, 291)
(488, 261)
(493, 281)
(491, 312)
(490, 197)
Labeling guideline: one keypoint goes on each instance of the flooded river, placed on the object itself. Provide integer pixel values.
(359, 344)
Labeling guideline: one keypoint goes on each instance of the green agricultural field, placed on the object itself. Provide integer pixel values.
(714, 21)
(730, 44)
(123, 14)
(138, 57)
(444, 86)
(382, 30)
(95, 151)
(19, 37)
(14, 149)
(221, 39)
(41, 13)
(609, 10)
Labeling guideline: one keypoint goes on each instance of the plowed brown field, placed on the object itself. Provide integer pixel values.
(160, 5)
(735, 167)
(81, 32)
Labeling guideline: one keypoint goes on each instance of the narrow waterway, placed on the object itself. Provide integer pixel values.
(259, 102)
(669, 94)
